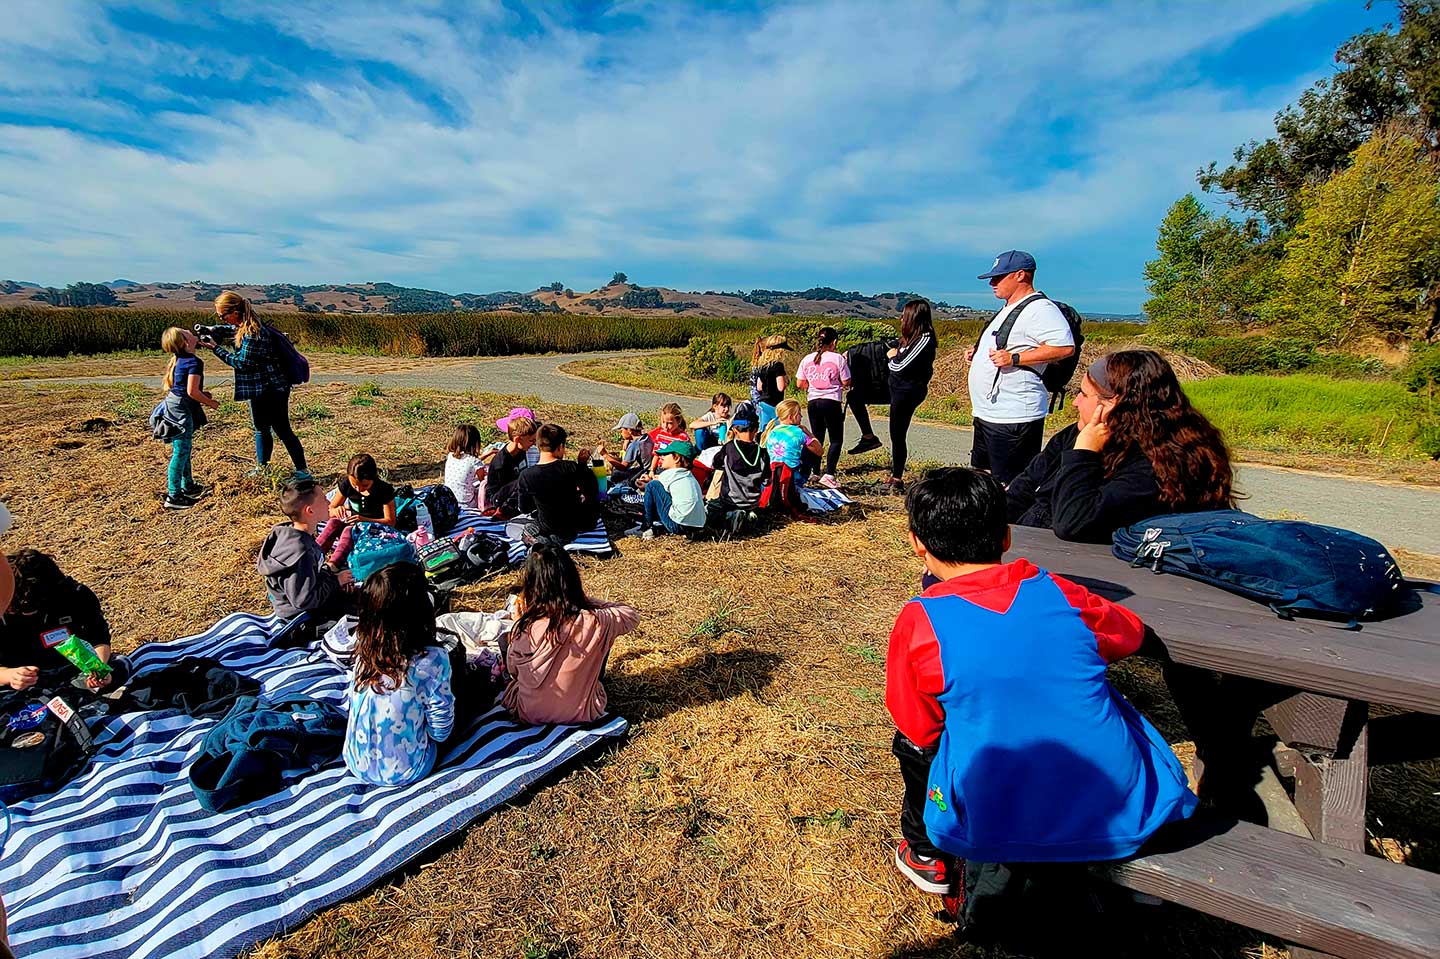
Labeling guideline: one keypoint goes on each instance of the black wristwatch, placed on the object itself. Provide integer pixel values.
(1015, 358)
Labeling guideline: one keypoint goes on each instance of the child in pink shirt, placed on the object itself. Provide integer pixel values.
(560, 642)
(824, 375)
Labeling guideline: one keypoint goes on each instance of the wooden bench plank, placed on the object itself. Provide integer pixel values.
(1299, 890)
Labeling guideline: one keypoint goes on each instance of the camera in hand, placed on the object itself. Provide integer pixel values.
(217, 332)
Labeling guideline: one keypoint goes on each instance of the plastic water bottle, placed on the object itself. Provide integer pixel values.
(421, 536)
(423, 519)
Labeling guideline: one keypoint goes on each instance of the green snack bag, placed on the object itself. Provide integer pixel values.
(80, 653)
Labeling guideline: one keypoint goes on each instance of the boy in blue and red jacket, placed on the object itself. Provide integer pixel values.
(1013, 746)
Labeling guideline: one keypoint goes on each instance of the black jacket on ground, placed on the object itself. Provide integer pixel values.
(1066, 490)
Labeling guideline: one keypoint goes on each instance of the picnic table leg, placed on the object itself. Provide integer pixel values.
(1328, 755)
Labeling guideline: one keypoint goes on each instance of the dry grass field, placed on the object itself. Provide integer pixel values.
(752, 810)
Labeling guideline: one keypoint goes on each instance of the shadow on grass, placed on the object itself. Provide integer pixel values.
(707, 678)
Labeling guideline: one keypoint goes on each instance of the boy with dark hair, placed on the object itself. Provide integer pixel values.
(562, 495)
(293, 563)
(1015, 750)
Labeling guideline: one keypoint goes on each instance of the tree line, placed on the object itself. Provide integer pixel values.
(1332, 232)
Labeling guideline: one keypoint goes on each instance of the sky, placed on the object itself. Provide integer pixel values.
(485, 145)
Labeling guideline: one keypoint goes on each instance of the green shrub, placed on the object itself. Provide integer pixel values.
(708, 359)
(1421, 373)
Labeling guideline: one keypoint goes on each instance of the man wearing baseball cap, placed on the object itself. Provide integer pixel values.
(1008, 399)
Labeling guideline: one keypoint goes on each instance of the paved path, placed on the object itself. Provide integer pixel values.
(1395, 514)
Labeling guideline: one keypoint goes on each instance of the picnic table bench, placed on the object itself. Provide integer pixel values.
(1318, 680)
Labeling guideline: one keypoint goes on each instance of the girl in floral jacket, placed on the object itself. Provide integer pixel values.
(401, 704)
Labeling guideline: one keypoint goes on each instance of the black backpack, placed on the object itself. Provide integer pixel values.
(480, 555)
(443, 507)
(45, 756)
(1057, 374)
(1290, 566)
(870, 370)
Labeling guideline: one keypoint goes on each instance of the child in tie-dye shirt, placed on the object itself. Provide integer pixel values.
(400, 700)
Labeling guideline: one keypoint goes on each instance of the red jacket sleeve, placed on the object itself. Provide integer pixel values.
(914, 677)
(1118, 632)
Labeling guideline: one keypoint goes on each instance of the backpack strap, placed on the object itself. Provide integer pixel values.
(1002, 334)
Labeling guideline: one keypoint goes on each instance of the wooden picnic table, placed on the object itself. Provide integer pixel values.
(1316, 682)
(1326, 676)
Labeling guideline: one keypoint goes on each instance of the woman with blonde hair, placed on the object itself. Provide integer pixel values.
(767, 375)
(259, 378)
(185, 400)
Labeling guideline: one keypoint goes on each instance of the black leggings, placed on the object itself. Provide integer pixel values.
(828, 416)
(861, 412)
(271, 412)
(902, 411)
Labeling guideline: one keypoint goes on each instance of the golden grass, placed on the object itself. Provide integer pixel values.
(752, 810)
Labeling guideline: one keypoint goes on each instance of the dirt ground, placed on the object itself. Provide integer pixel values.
(752, 810)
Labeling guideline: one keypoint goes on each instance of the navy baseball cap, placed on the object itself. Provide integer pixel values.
(745, 416)
(1009, 262)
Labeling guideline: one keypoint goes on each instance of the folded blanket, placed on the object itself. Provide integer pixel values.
(123, 861)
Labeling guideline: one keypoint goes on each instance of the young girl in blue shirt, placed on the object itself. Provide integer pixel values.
(187, 400)
(401, 703)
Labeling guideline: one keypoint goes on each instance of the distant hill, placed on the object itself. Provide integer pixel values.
(621, 298)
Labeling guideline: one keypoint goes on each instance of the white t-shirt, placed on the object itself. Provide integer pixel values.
(464, 475)
(1019, 396)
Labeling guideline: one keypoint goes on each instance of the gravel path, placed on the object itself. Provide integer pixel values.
(1396, 514)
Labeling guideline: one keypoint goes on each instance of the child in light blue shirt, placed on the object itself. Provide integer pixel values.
(401, 703)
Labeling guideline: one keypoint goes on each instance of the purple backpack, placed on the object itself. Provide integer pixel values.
(290, 360)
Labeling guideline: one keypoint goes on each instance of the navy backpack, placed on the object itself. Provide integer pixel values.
(1290, 566)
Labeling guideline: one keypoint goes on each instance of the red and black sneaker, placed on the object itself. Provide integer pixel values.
(928, 875)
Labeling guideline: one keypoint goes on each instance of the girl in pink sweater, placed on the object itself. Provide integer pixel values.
(560, 642)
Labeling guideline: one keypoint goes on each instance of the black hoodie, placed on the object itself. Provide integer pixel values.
(1066, 490)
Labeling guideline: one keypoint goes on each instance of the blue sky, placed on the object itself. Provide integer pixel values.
(484, 145)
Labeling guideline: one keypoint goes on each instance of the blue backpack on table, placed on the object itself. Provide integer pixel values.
(1292, 567)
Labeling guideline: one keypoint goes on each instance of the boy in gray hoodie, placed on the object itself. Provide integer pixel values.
(293, 564)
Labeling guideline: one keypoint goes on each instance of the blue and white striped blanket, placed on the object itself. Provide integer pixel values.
(594, 543)
(122, 863)
(823, 500)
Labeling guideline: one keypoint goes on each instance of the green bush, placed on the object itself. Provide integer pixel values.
(708, 359)
(1421, 373)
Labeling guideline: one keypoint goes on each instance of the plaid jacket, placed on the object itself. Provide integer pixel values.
(257, 368)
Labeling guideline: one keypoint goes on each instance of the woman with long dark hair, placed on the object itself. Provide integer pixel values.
(259, 378)
(560, 641)
(910, 365)
(1139, 449)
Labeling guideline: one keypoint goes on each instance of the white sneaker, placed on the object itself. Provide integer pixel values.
(648, 534)
(829, 482)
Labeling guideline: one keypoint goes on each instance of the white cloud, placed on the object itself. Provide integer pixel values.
(831, 135)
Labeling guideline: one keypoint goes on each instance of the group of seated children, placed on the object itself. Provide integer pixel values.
(405, 692)
(1018, 757)
(720, 485)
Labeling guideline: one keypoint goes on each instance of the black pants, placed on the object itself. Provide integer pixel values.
(1003, 900)
(915, 772)
(827, 418)
(903, 405)
(1005, 449)
(861, 412)
(270, 414)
